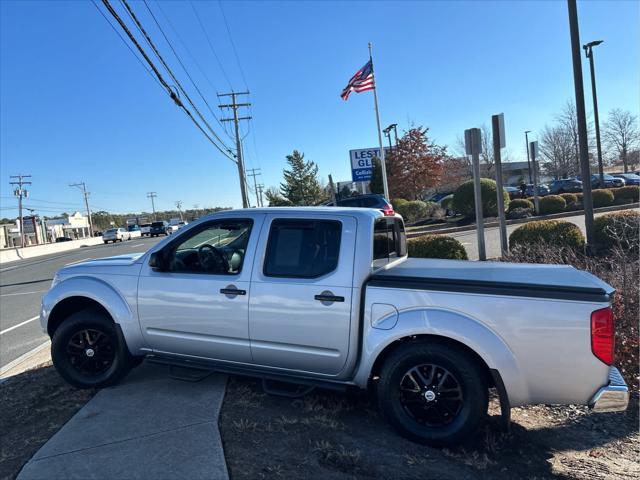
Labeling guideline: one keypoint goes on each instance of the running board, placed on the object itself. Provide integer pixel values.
(304, 382)
(286, 389)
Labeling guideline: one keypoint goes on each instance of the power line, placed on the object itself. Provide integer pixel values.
(233, 45)
(20, 193)
(166, 66)
(125, 43)
(171, 93)
(213, 50)
(184, 68)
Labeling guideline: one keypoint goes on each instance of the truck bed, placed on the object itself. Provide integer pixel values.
(498, 278)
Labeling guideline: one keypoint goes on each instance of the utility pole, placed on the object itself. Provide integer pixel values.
(254, 172)
(585, 170)
(588, 51)
(179, 207)
(526, 138)
(85, 196)
(260, 188)
(152, 196)
(332, 187)
(20, 193)
(235, 105)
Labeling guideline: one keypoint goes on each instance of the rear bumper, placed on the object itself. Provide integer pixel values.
(613, 397)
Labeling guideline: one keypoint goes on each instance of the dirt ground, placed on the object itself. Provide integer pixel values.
(33, 406)
(328, 435)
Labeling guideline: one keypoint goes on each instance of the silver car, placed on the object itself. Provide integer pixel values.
(115, 235)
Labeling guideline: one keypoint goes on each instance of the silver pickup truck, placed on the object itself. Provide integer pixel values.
(327, 296)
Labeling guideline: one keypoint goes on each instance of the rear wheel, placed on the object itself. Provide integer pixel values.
(88, 350)
(432, 393)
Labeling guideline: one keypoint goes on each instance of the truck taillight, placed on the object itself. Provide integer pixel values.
(388, 212)
(603, 335)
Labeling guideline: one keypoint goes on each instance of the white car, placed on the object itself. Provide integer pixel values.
(327, 296)
(145, 229)
(115, 235)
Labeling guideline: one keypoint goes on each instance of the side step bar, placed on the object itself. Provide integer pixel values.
(272, 383)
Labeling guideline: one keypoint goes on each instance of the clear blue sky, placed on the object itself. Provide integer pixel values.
(76, 105)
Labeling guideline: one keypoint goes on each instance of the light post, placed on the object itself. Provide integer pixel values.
(526, 138)
(387, 132)
(588, 51)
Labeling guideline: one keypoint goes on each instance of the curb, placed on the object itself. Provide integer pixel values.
(39, 355)
(438, 231)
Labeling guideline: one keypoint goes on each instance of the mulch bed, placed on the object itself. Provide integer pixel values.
(328, 435)
(33, 406)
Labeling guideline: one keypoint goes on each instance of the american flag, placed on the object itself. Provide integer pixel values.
(360, 82)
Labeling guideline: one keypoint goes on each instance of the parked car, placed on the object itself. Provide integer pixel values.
(172, 228)
(436, 197)
(565, 185)
(372, 200)
(115, 235)
(145, 229)
(513, 192)
(63, 239)
(134, 231)
(159, 228)
(629, 178)
(609, 181)
(320, 296)
(542, 190)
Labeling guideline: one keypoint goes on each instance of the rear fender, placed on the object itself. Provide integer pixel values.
(102, 293)
(448, 324)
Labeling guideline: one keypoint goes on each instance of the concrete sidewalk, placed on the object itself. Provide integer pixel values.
(149, 426)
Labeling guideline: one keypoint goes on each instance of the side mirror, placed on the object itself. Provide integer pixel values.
(156, 260)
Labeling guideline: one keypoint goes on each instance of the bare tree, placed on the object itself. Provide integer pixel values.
(487, 159)
(557, 151)
(568, 120)
(621, 135)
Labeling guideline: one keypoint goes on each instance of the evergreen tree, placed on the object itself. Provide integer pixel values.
(376, 184)
(301, 186)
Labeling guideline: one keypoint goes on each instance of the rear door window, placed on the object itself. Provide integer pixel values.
(302, 248)
(389, 241)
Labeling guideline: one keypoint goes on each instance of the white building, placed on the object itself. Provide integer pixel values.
(72, 226)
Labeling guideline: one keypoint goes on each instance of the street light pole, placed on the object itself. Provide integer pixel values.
(585, 170)
(526, 138)
(588, 51)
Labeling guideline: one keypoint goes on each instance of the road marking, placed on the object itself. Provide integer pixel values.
(19, 325)
(22, 358)
(140, 245)
(21, 293)
(77, 261)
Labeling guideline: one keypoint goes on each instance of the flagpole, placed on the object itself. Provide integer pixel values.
(375, 101)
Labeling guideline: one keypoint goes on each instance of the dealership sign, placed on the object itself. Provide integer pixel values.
(362, 163)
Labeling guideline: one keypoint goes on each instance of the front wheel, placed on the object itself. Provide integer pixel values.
(88, 350)
(432, 393)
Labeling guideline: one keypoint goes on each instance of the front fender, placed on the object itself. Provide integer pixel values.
(114, 301)
(449, 324)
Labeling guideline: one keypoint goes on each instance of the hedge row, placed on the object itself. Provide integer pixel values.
(436, 246)
(464, 200)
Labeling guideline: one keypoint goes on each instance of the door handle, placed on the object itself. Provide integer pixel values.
(232, 291)
(323, 297)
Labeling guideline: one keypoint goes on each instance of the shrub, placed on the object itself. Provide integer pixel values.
(631, 193)
(620, 229)
(436, 246)
(413, 210)
(552, 204)
(578, 197)
(520, 213)
(398, 201)
(602, 198)
(520, 203)
(569, 198)
(556, 233)
(463, 199)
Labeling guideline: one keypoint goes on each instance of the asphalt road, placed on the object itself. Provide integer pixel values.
(492, 237)
(23, 282)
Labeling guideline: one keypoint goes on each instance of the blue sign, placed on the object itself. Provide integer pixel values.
(362, 163)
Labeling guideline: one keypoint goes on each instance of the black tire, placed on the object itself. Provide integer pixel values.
(85, 364)
(417, 415)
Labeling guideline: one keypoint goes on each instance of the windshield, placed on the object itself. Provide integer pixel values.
(221, 236)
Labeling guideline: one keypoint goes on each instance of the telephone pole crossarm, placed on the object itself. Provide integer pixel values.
(234, 105)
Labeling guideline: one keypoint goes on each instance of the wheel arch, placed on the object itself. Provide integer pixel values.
(77, 293)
